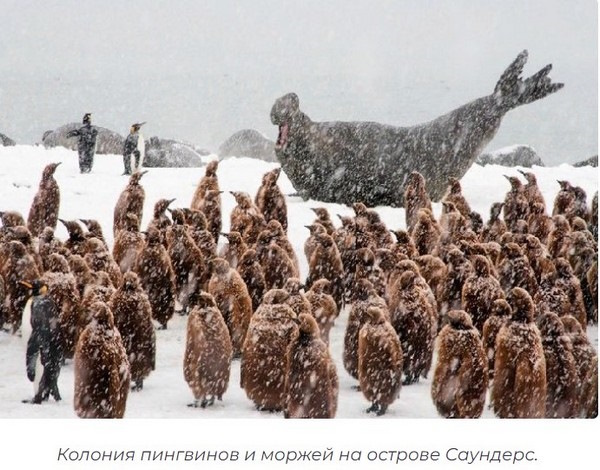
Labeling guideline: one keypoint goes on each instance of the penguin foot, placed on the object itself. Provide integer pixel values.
(381, 411)
(162, 327)
(356, 387)
(207, 402)
(33, 401)
(138, 386)
(373, 408)
(194, 404)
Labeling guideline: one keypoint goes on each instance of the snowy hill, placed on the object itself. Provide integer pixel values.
(165, 393)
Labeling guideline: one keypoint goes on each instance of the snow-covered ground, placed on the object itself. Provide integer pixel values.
(165, 393)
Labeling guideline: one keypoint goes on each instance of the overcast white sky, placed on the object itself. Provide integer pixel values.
(201, 70)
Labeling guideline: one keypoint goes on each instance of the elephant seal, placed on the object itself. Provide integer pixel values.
(345, 162)
(107, 142)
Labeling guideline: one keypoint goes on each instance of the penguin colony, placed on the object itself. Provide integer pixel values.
(504, 303)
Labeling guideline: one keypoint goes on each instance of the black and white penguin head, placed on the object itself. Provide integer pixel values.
(37, 287)
(136, 127)
(87, 118)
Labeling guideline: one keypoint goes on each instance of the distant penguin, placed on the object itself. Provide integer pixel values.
(365, 297)
(310, 244)
(156, 275)
(98, 258)
(501, 313)
(211, 208)
(76, 241)
(46, 203)
(495, 226)
(128, 244)
(131, 200)
(246, 218)
(208, 353)
(135, 147)
(455, 196)
(460, 379)
(279, 236)
(323, 307)
(516, 205)
(324, 219)
(326, 263)
(586, 360)
(274, 261)
(252, 274)
(515, 271)
(519, 387)
(559, 238)
(311, 378)
(458, 270)
(532, 191)
(86, 145)
(412, 319)
(571, 286)
(434, 271)
(189, 265)
(480, 291)
(297, 299)
(264, 355)
(234, 249)
(94, 230)
(426, 233)
(270, 200)
(564, 200)
(102, 374)
(44, 344)
(379, 361)
(562, 400)
(209, 182)
(233, 300)
(415, 199)
(133, 318)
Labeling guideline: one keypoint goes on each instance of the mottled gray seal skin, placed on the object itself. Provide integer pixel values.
(107, 142)
(345, 162)
(168, 153)
(248, 143)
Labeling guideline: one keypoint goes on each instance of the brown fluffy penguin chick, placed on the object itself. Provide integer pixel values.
(365, 296)
(263, 363)
(209, 182)
(458, 270)
(586, 360)
(131, 200)
(532, 190)
(404, 244)
(519, 387)
(501, 313)
(280, 237)
(379, 361)
(211, 208)
(189, 266)
(564, 200)
(516, 205)
(562, 400)
(415, 199)
(274, 261)
(102, 374)
(559, 239)
(570, 285)
(580, 207)
(100, 290)
(98, 258)
(426, 233)
(480, 291)
(323, 219)
(128, 244)
(62, 289)
(94, 230)
(19, 266)
(539, 224)
(76, 243)
(233, 300)
(310, 245)
(270, 200)
(252, 274)
(323, 307)
(208, 352)
(455, 196)
(133, 318)
(515, 271)
(326, 263)
(591, 277)
(311, 385)
(153, 267)
(297, 300)
(412, 319)
(495, 226)
(434, 271)
(81, 271)
(245, 217)
(460, 379)
(47, 245)
(234, 249)
(160, 219)
(46, 203)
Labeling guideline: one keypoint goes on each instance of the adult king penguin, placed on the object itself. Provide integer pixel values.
(44, 346)
(134, 145)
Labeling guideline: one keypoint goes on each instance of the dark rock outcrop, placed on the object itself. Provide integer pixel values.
(6, 141)
(248, 143)
(167, 153)
(107, 142)
(592, 161)
(516, 155)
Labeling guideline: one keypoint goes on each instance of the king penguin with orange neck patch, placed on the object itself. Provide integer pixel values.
(44, 353)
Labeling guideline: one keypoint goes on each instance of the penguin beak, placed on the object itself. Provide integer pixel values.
(26, 284)
(170, 210)
(507, 177)
(522, 172)
(172, 200)
(226, 235)
(64, 222)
